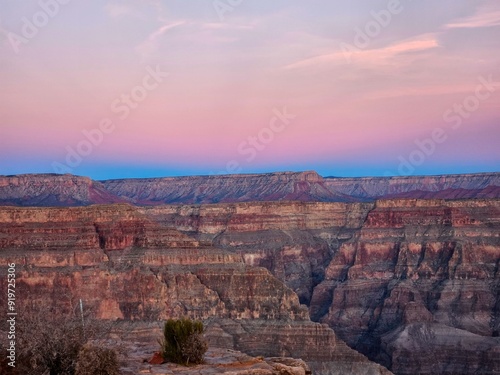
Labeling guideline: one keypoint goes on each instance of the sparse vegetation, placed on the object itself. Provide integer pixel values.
(50, 342)
(94, 360)
(182, 341)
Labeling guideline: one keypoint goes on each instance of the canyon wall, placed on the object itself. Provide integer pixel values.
(126, 265)
(67, 190)
(400, 280)
(47, 190)
(455, 186)
(396, 279)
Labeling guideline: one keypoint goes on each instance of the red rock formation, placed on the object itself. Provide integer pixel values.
(68, 190)
(217, 361)
(304, 186)
(375, 272)
(53, 190)
(126, 265)
(478, 185)
(367, 269)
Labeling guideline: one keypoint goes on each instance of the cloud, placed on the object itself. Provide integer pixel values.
(370, 56)
(151, 44)
(486, 16)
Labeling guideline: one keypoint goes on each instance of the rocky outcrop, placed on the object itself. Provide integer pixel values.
(433, 262)
(294, 240)
(125, 264)
(45, 190)
(289, 186)
(450, 350)
(458, 186)
(303, 186)
(217, 361)
(396, 279)
(67, 190)
(369, 269)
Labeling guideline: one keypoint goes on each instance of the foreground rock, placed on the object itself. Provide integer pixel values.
(137, 345)
(217, 361)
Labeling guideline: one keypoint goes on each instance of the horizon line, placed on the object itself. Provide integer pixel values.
(228, 175)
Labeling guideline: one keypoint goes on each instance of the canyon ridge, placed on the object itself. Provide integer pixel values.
(351, 275)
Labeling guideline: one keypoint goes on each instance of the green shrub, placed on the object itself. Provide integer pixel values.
(182, 341)
(94, 360)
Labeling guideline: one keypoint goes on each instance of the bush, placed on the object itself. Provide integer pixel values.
(194, 348)
(93, 360)
(182, 341)
(49, 341)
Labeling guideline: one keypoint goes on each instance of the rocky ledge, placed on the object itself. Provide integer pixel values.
(135, 359)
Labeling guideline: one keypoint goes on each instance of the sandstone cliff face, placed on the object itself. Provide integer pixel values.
(46, 190)
(480, 185)
(294, 240)
(396, 279)
(304, 186)
(67, 190)
(432, 262)
(125, 264)
(371, 269)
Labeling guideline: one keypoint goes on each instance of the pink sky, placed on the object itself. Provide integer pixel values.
(355, 110)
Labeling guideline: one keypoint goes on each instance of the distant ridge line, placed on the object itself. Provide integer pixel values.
(70, 190)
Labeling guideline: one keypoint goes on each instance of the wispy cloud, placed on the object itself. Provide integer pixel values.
(371, 56)
(421, 91)
(486, 16)
(149, 46)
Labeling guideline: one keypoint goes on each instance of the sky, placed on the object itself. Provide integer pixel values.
(149, 88)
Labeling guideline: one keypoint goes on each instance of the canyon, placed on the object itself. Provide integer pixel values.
(126, 266)
(403, 270)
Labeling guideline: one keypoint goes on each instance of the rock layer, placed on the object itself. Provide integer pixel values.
(369, 269)
(53, 190)
(394, 278)
(125, 264)
(67, 190)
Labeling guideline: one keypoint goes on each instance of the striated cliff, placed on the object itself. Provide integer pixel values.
(67, 190)
(422, 272)
(53, 190)
(127, 265)
(300, 186)
(399, 280)
(458, 186)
